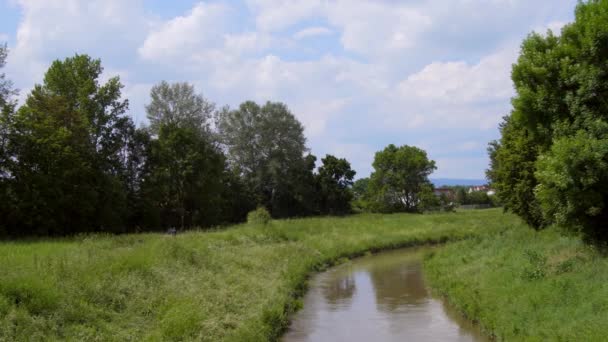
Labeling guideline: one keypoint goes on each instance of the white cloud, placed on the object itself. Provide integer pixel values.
(312, 32)
(184, 35)
(51, 30)
(554, 26)
(3, 37)
(373, 28)
(247, 42)
(460, 82)
(275, 15)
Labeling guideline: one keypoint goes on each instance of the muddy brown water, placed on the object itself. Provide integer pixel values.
(382, 297)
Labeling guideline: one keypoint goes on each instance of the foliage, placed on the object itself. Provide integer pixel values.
(178, 104)
(513, 174)
(6, 86)
(428, 199)
(259, 216)
(561, 82)
(266, 146)
(573, 178)
(67, 151)
(185, 178)
(400, 175)
(334, 179)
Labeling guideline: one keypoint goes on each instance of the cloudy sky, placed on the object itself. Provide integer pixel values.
(359, 74)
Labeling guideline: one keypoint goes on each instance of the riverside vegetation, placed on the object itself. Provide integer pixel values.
(238, 284)
(523, 285)
(242, 283)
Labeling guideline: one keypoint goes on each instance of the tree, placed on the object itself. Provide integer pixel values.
(561, 84)
(360, 194)
(178, 104)
(335, 177)
(266, 146)
(185, 180)
(513, 172)
(6, 86)
(188, 183)
(573, 182)
(7, 109)
(400, 176)
(67, 146)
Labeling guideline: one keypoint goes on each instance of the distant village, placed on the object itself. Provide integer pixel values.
(468, 197)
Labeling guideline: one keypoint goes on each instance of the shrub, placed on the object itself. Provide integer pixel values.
(259, 216)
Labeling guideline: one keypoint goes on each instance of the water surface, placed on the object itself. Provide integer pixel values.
(377, 298)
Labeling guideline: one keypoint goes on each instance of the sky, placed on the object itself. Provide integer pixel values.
(359, 74)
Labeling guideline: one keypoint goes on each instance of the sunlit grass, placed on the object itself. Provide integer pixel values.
(526, 285)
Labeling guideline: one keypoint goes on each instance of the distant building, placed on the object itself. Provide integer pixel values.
(479, 188)
(444, 191)
(484, 188)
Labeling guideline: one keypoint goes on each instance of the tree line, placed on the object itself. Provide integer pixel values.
(72, 160)
(550, 165)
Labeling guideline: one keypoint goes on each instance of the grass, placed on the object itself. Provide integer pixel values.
(238, 284)
(523, 285)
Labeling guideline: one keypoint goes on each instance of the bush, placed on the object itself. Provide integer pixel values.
(259, 216)
(573, 182)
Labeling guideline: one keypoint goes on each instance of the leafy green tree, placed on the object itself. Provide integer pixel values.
(561, 83)
(7, 109)
(360, 187)
(335, 177)
(67, 143)
(185, 179)
(178, 104)
(360, 194)
(266, 146)
(400, 176)
(513, 172)
(573, 177)
(6, 86)
(428, 200)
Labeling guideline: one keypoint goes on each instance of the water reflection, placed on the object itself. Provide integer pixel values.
(339, 292)
(377, 298)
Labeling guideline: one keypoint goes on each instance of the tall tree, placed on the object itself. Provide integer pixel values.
(400, 176)
(178, 104)
(66, 143)
(188, 182)
(7, 109)
(335, 177)
(266, 146)
(185, 181)
(548, 165)
(6, 86)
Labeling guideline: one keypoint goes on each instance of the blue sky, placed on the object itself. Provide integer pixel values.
(359, 74)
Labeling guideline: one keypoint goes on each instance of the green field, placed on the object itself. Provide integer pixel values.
(238, 284)
(523, 285)
(241, 284)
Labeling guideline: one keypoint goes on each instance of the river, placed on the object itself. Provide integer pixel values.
(380, 297)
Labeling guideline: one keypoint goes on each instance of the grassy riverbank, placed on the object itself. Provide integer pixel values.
(523, 285)
(235, 285)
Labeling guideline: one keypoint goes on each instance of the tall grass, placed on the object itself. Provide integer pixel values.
(239, 284)
(523, 285)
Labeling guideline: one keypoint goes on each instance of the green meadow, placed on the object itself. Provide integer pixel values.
(238, 284)
(524, 285)
(242, 283)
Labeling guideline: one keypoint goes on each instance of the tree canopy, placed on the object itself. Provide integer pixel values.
(548, 166)
(266, 146)
(399, 179)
